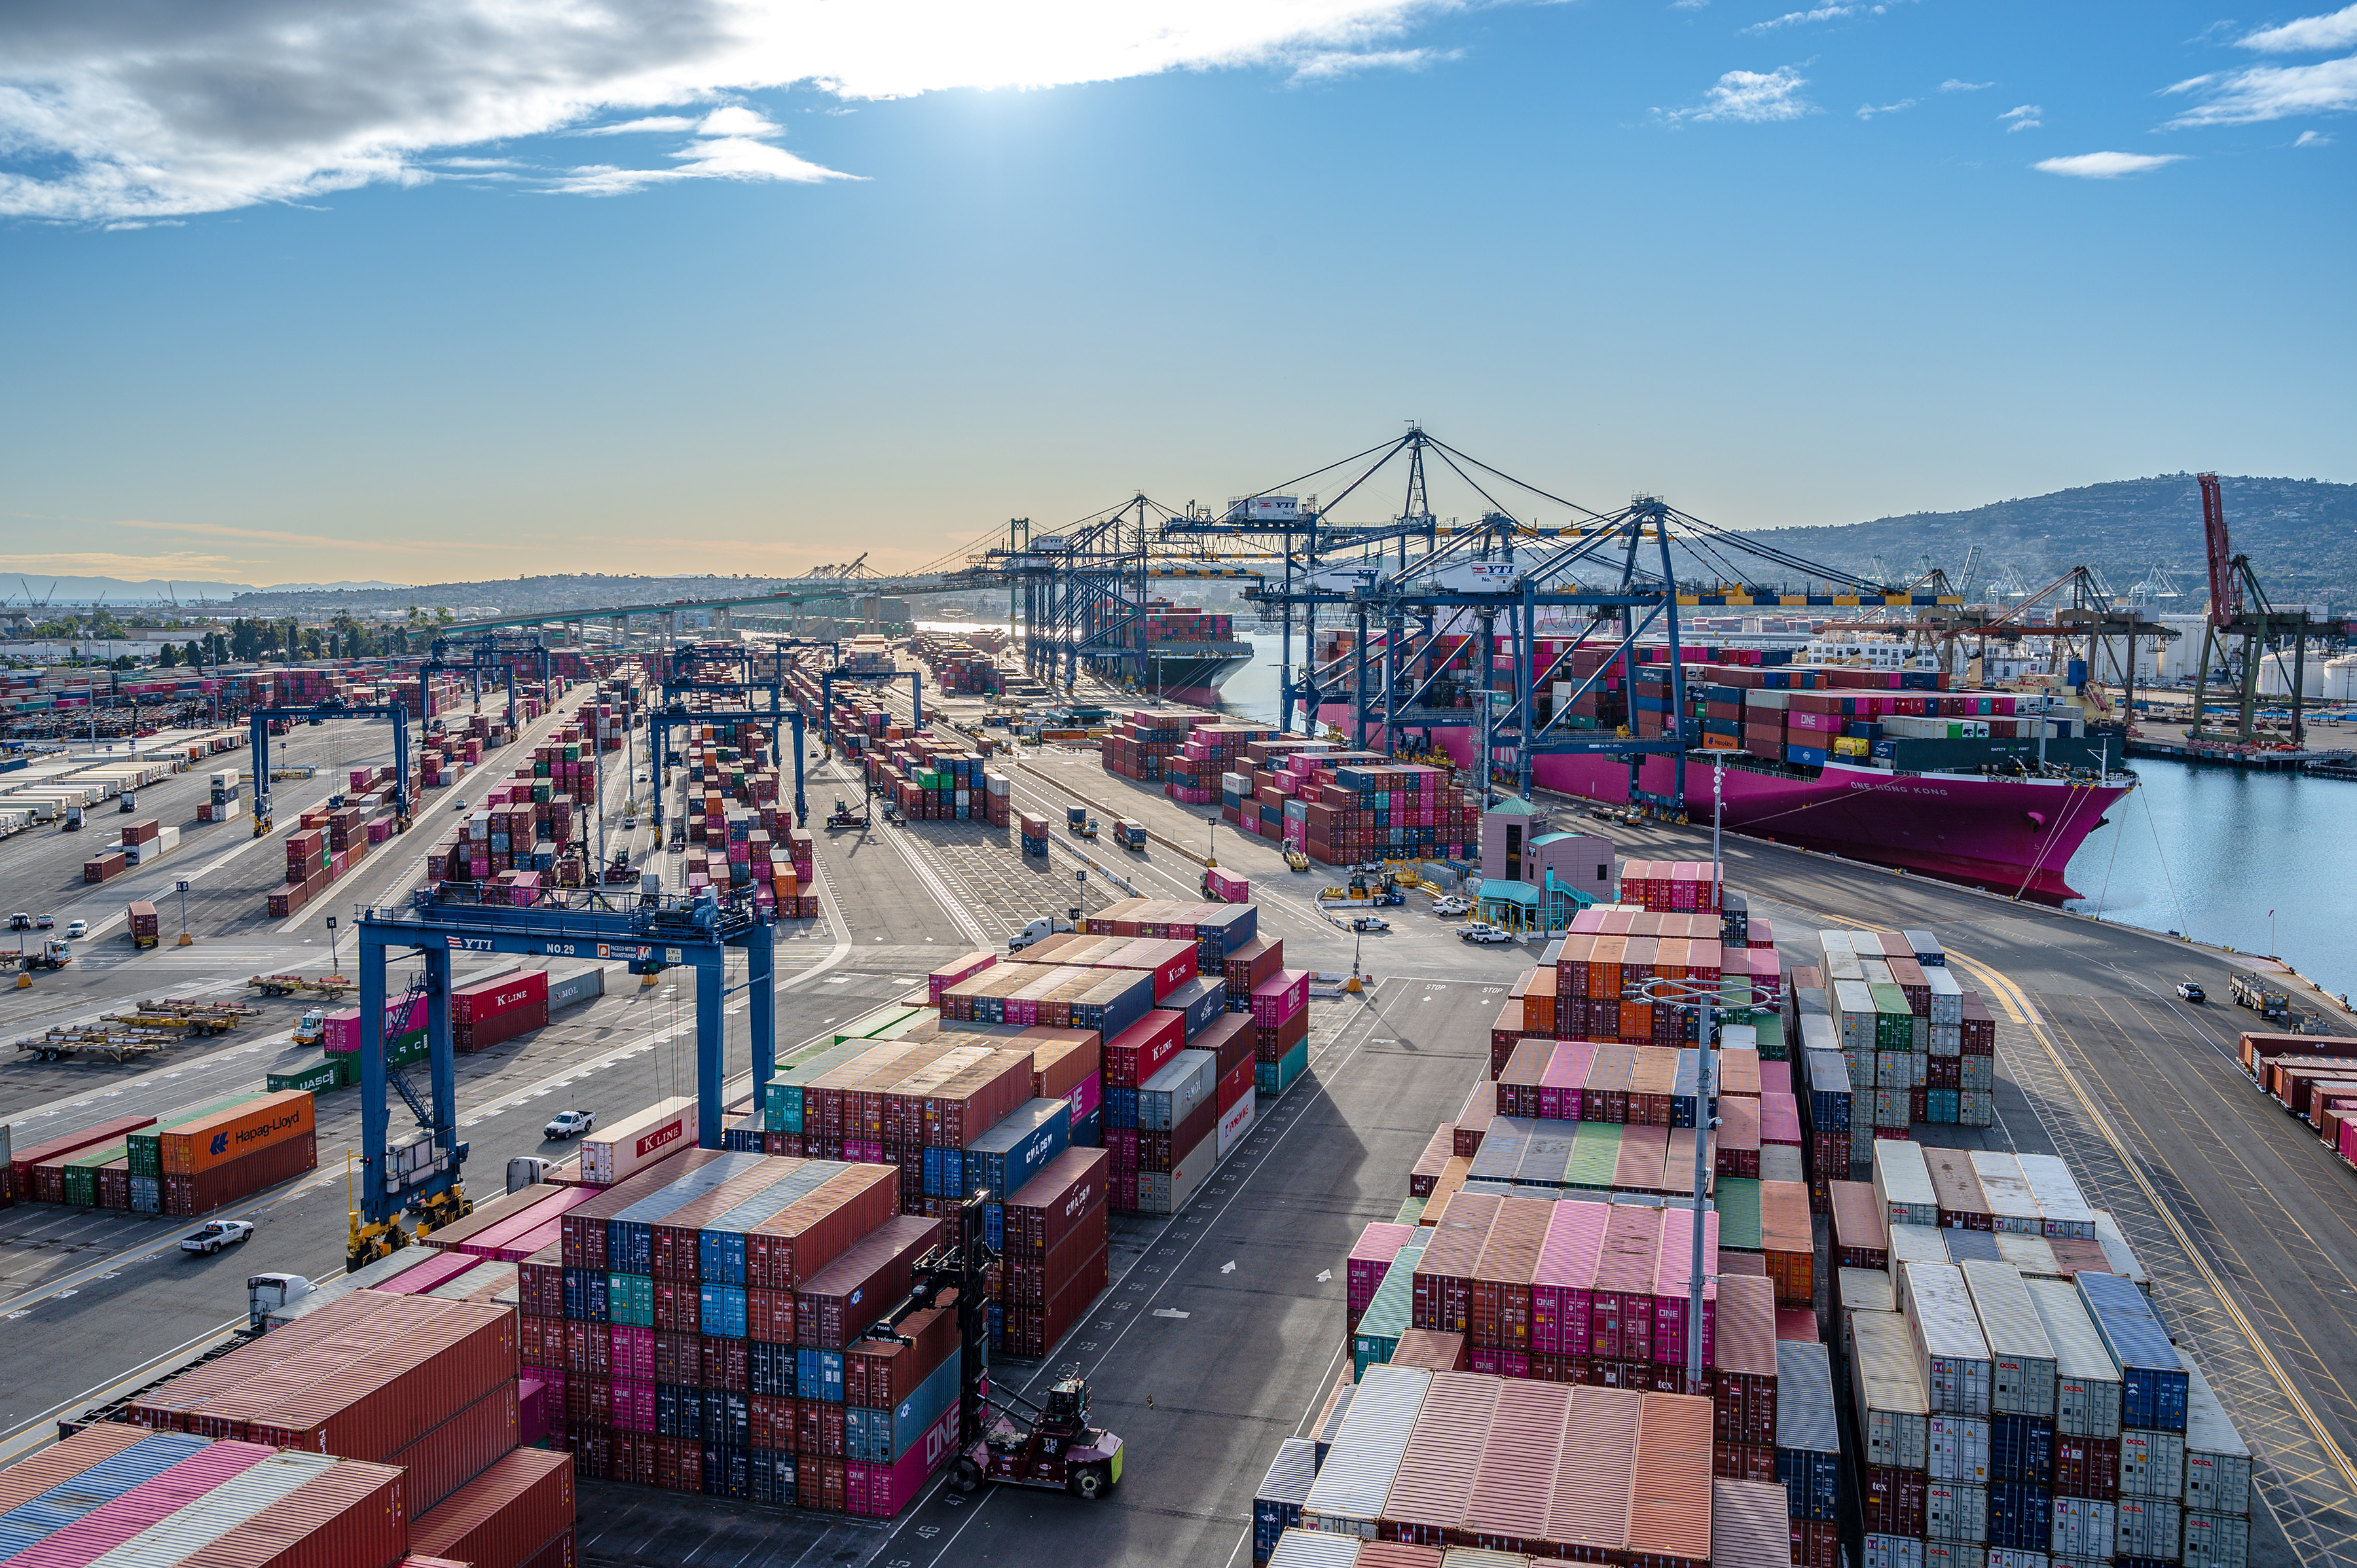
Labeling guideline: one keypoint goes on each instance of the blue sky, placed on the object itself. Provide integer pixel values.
(362, 300)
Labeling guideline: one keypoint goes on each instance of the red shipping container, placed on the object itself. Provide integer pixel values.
(265, 1167)
(506, 1515)
(22, 1161)
(878, 1374)
(463, 1447)
(1052, 1204)
(1036, 1331)
(843, 1300)
(499, 1028)
(354, 1513)
(783, 1251)
(1029, 1281)
(1895, 1500)
(1245, 968)
(2086, 1467)
(482, 999)
(1140, 1051)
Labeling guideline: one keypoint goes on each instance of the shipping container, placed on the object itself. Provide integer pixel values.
(1951, 1351)
(2217, 1461)
(1346, 1497)
(613, 1154)
(1276, 1504)
(1887, 1385)
(2153, 1383)
(2021, 1357)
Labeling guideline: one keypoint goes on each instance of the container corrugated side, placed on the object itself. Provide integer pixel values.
(1588, 1506)
(1276, 1504)
(1902, 1182)
(1886, 1384)
(1669, 1506)
(54, 1466)
(504, 1515)
(2060, 1202)
(2086, 1380)
(1748, 1528)
(1444, 1450)
(1314, 1549)
(2021, 1357)
(1511, 1494)
(354, 1513)
(104, 1484)
(1952, 1354)
(1357, 1476)
(2217, 1460)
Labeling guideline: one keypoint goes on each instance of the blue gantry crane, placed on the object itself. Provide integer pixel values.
(649, 932)
(261, 719)
(492, 652)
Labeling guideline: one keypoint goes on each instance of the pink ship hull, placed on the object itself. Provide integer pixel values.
(2009, 836)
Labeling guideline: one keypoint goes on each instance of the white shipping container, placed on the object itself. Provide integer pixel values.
(1959, 1450)
(2217, 1461)
(2086, 1378)
(1235, 1122)
(1947, 996)
(1161, 1192)
(2083, 1528)
(1892, 1551)
(1893, 1415)
(2012, 1207)
(1910, 1245)
(1903, 1184)
(1314, 1549)
(2216, 1540)
(2021, 1358)
(2065, 1208)
(1955, 1511)
(1356, 1478)
(1951, 1354)
(611, 1153)
(2031, 1256)
(2121, 1257)
(1954, 1554)
(1832, 941)
(2152, 1464)
(2146, 1527)
(2007, 1557)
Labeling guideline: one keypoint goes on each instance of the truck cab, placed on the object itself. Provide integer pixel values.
(266, 1293)
(1046, 926)
(311, 1029)
(129, 801)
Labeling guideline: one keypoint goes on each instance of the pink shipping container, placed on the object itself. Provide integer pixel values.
(1563, 1284)
(941, 979)
(881, 1491)
(1566, 1071)
(429, 1273)
(1370, 1261)
(344, 1027)
(1276, 1001)
(1673, 1280)
(1779, 1120)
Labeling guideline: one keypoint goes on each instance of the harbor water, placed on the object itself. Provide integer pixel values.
(2202, 852)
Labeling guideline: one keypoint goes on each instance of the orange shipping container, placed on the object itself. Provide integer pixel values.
(197, 1146)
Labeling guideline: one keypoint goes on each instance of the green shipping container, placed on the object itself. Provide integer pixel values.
(1392, 1312)
(1894, 1022)
(630, 1300)
(1770, 1026)
(1594, 1155)
(81, 1175)
(1738, 1198)
(1411, 1212)
(326, 1074)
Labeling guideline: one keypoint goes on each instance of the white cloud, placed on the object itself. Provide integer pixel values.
(2105, 166)
(2313, 139)
(2021, 117)
(1799, 19)
(2336, 31)
(140, 113)
(1953, 85)
(1327, 65)
(1869, 110)
(1689, 5)
(1756, 97)
(2271, 93)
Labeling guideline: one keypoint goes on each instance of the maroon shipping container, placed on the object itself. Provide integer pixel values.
(103, 867)
(22, 1161)
(1270, 1045)
(361, 1378)
(1048, 1207)
(818, 1429)
(1815, 1545)
(976, 1099)
(672, 1245)
(1743, 1361)
(1027, 1281)
(727, 1364)
(843, 1300)
(354, 1513)
(462, 1447)
(1895, 1500)
(1061, 1059)
(785, 1251)
(2087, 1468)
(1442, 1288)
(560, 1552)
(1746, 1462)
(500, 1028)
(1474, 1118)
(1230, 1038)
(581, 1233)
(1035, 1331)
(878, 1374)
(1245, 968)
(265, 1167)
(482, 999)
(1861, 1234)
(1620, 1310)
(540, 1284)
(1438, 1150)
(1160, 1152)
(1500, 1295)
(504, 1516)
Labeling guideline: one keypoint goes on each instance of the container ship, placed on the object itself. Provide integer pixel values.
(1885, 766)
(1177, 653)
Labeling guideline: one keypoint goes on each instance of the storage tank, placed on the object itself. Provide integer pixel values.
(2341, 679)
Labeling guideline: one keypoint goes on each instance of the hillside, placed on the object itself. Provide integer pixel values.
(2301, 536)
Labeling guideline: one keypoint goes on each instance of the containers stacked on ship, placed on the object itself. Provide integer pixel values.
(707, 1323)
(421, 1382)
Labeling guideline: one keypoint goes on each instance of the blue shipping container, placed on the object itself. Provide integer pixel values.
(723, 1311)
(1119, 1106)
(771, 1477)
(1019, 1147)
(728, 1472)
(818, 1375)
(2021, 1448)
(2153, 1384)
(881, 1436)
(1088, 1133)
(26, 1525)
(2020, 1516)
(1198, 1001)
(1276, 1506)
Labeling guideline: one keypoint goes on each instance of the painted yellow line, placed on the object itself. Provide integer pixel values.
(2018, 1004)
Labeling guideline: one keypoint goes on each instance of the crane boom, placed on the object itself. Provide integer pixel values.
(2225, 587)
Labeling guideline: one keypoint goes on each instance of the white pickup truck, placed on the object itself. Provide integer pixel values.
(217, 1234)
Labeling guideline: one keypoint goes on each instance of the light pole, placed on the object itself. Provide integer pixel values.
(1701, 996)
(332, 967)
(1211, 854)
(182, 885)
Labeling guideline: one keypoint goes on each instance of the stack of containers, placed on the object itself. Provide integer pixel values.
(229, 1154)
(712, 1332)
(1053, 1249)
